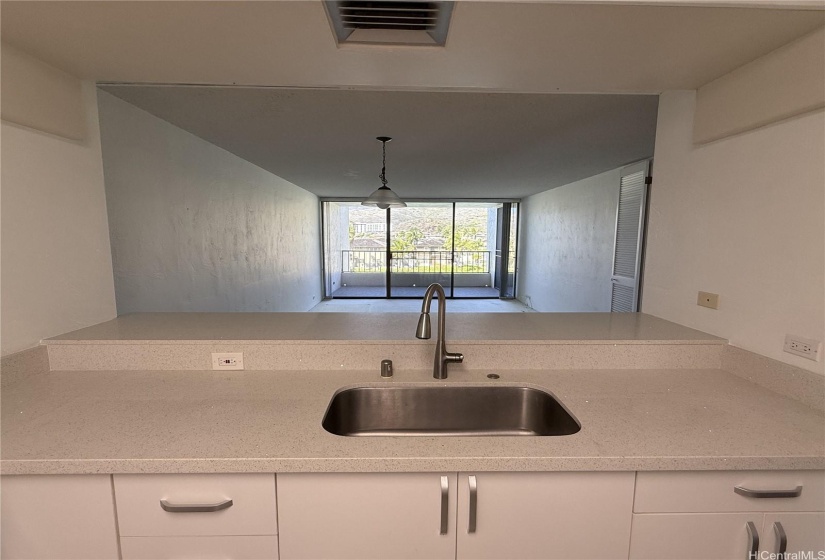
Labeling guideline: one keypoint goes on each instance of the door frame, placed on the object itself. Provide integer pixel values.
(644, 166)
(506, 202)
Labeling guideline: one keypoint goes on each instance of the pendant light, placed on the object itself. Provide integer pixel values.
(383, 197)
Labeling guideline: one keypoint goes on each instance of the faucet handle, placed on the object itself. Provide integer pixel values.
(386, 368)
(454, 357)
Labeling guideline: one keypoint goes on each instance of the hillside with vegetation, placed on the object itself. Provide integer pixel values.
(422, 228)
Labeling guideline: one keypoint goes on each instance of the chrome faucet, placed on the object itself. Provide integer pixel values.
(442, 357)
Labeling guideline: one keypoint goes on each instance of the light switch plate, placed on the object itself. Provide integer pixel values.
(707, 299)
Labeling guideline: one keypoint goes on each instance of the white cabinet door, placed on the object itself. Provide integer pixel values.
(363, 516)
(692, 536)
(545, 515)
(804, 533)
(58, 517)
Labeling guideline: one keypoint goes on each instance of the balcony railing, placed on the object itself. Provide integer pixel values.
(436, 262)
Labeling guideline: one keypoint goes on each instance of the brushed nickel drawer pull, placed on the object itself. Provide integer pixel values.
(781, 540)
(471, 524)
(753, 541)
(192, 508)
(445, 504)
(748, 493)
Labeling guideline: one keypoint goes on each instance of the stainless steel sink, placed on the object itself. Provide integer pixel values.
(447, 411)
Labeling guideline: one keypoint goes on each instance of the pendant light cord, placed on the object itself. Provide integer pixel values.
(383, 175)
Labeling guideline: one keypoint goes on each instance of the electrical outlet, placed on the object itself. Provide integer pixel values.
(805, 347)
(227, 360)
(707, 299)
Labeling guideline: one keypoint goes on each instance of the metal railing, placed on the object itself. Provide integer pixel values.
(436, 262)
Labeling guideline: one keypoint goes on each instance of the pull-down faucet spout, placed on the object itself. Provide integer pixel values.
(442, 357)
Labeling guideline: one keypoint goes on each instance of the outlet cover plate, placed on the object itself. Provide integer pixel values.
(227, 360)
(801, 346)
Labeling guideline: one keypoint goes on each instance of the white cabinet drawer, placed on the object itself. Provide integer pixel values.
(139, 511)
(713, 491)
(199, 548)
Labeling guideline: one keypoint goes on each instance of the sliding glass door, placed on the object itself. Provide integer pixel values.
(475, 243)
(420, 248)
(467, 247)
(506, 235)
(355, 250)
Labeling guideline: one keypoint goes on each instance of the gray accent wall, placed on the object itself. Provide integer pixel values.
(566, 245)
(196, 228)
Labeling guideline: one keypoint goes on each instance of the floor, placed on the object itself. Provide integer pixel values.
(409, 291)
(414, 306)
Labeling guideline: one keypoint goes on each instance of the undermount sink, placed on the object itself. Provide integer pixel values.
(447, 411)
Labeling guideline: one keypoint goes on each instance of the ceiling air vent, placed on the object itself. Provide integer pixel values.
(388, 21)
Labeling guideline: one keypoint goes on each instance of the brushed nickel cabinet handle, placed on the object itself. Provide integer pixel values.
(193, 508)
(753, 541)
(471, 525)
(781, 540)
(748, 493)
(445, 503)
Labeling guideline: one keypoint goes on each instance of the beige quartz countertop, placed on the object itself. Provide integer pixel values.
(390, 328)
(204, 421)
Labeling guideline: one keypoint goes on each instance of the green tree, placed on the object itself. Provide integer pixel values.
(468, 238)
(446, 231)
(405, 240)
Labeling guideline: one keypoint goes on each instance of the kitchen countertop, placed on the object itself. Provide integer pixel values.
(386, 328)
(211, 422)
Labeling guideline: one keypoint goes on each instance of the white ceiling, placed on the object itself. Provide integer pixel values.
(508, 46)
(453, 136)
(445, 144)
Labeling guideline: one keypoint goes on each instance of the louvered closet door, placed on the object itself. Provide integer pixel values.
(630, 219)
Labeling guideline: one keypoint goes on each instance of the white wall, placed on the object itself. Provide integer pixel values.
(40, 96)
(56, 261)
(195, 228)
(566, 245)
(741, 217)
(787, 82)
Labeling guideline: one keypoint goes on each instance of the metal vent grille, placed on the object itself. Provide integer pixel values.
(388, 21)
(388, 15)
